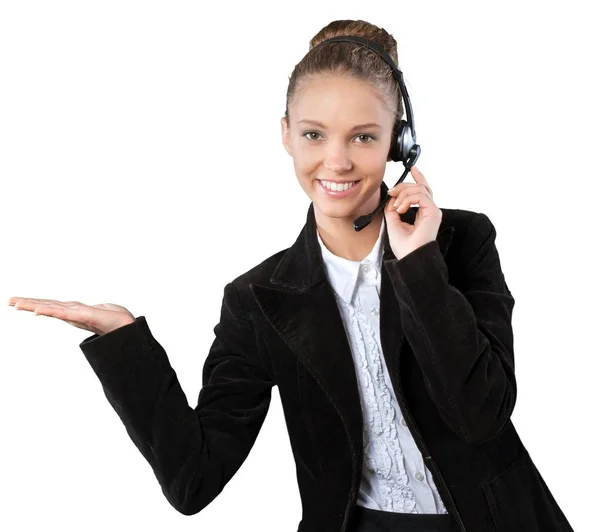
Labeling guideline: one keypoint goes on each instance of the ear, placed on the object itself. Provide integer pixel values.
(285, 135)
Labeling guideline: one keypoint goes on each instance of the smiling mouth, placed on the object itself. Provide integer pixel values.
(334, 186)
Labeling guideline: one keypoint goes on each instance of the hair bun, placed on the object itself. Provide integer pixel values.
(357, 28)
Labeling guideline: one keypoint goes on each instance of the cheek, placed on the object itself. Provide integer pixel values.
(375, 166)
(307, 161)
(304, 167)
(376, 158)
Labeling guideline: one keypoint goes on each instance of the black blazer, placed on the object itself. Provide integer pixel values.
(445, 318)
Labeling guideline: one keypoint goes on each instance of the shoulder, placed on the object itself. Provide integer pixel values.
(238, 294)
(461, 219)
(473, 243)
(468, 225)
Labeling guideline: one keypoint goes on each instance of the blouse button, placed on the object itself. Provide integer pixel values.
(404, 422)
(419, 475)
(375, 311)
(366, 268)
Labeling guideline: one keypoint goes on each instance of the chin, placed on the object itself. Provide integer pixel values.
(335, 211)
(337, 208)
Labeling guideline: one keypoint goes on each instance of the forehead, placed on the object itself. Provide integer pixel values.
(334, 98)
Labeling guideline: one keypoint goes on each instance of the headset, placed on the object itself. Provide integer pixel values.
(404, 145)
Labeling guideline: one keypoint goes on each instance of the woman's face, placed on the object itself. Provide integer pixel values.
(340, 147)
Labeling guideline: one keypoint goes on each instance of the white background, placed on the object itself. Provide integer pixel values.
(141, 164)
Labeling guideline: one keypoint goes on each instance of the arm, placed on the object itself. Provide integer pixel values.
(462, 339)
(193, 452)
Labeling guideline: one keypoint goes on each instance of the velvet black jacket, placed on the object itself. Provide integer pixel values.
(445, 322)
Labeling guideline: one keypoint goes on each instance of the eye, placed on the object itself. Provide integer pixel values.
(310, 133)
(364, 135)
(369, 136)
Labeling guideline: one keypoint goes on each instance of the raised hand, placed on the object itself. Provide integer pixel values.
(404, 237)
(99, 319)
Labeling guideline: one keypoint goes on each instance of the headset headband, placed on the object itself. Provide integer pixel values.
(376, 47)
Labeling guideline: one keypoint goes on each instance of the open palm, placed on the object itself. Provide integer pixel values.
(99, 319)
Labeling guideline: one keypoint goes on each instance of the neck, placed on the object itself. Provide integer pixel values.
(339, 237)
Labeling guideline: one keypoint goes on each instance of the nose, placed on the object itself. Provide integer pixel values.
(337, 158)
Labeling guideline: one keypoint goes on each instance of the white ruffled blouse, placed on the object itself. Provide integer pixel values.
(395, 477)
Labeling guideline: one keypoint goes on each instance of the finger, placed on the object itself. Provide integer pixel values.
(420, 178)
(420, 188)
(31, 304)
(394, 191)
(62, 313)
(24, 301)
(15, 299)
(418, 175)
(419, 199)
(44, 306)
(389, 206)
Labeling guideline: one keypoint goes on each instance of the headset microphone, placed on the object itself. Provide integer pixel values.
(404, 145)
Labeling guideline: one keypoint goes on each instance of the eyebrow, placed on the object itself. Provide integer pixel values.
(360, 126)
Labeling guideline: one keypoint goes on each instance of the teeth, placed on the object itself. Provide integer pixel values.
(338, 187)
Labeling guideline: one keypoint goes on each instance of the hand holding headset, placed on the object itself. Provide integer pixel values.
(404, 145)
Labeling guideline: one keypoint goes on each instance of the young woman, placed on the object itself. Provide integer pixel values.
(391, 346)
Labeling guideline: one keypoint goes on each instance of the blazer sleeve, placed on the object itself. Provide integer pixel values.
(462, 339)
(193, 452)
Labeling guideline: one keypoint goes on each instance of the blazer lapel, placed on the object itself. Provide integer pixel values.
(302, 308)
